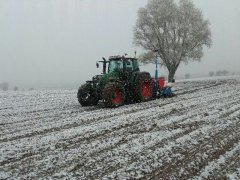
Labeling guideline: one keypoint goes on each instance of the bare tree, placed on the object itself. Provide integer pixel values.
(211, 73)
(177, 31)
(225, 73)
(4, 86)
(15, 88)
(219, 73)
(187, 76)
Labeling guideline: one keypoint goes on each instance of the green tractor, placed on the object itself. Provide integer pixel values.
(122, 83)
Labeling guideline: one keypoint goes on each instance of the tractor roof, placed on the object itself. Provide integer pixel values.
(112, 58)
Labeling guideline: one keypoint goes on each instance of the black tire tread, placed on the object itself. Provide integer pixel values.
(92, 100)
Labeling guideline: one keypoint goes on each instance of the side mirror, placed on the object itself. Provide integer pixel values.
(97, 65)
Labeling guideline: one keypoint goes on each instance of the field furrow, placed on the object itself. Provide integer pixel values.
(194, 135)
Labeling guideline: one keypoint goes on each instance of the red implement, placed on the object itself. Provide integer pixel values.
(161, 82)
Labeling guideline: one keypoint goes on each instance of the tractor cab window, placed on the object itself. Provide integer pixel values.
(135, 65)
(129, 65)
(115, 65)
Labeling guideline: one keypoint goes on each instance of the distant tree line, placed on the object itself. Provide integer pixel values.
(219, 73)
(5, 87)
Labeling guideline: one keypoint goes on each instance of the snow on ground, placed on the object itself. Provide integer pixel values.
(195, 135)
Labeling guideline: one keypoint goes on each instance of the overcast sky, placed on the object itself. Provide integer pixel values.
(47, 43)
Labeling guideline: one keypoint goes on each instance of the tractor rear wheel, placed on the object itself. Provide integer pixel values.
(113, 95)
(143, 87)
(86, 96)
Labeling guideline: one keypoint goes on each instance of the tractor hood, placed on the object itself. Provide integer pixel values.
(113, 76)
(97, 79)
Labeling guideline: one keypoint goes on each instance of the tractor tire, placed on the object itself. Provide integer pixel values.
(143, 89)
(113, 95)
(85, 95)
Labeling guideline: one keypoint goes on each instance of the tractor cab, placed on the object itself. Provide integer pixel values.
(122, 64)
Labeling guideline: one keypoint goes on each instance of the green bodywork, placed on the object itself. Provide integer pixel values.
(120, 69)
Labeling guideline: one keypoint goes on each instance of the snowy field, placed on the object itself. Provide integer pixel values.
(195, 135)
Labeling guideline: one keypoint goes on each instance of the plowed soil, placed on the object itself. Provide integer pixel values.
(195, 135)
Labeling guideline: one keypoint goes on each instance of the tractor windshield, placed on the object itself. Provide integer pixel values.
(115, 65)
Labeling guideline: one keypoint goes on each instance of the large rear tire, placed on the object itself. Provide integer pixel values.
(143, 87)
(113, 95)
(85, 95)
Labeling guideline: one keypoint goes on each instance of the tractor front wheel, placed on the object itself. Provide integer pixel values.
(86, 96)
(113, 95)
